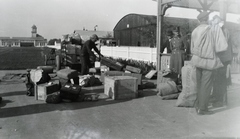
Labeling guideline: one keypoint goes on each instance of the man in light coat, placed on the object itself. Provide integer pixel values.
(206, 42)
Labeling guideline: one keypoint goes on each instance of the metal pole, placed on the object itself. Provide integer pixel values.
(159, 25)
(158, 45)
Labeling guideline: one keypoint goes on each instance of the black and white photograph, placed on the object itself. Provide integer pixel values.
(119, 69)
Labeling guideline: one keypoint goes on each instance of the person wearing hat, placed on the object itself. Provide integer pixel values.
(86, 52)
(178, 52)
(222, 76)
(167, 42)
(206, 42)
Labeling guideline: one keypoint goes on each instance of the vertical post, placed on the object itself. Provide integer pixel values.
(159, 25)
(223, 9)
(35, 91)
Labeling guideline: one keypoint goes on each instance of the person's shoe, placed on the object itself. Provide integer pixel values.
(203, 112)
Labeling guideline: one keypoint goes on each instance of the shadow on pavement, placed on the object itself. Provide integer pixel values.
(13, 93)
(4, 103)
(44, 107)
(41, 108)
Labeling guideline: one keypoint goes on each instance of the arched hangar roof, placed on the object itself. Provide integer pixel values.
(135, 20)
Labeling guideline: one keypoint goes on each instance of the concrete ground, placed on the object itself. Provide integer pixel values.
(147, 117)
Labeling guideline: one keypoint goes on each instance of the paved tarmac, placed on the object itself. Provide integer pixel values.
(147, 117)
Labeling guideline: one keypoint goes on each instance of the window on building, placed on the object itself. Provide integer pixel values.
(16, 43)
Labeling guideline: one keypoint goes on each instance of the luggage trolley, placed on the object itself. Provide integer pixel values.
(69, 56)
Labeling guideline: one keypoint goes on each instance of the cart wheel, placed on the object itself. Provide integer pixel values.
(58, 62)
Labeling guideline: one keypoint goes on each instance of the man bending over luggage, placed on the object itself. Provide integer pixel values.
(86, 52)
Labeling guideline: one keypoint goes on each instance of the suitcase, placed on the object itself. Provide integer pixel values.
(67, 73)
(45, 89)
(112, 64)
(46, 69)
(70, 91)
(65, 81)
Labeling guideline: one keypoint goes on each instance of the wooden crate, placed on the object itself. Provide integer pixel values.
(121, 87)
(45, 89)
(72, 49)
(133, 69)
(110, 73)
(71, 59)
(138, 76)
(120, 73)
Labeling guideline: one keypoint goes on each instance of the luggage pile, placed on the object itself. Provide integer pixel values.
(62, 86)
(183, 88)
(168, 87)
(70, 49)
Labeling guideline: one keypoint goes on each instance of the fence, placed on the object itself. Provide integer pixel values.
(149, 55)
(137, 53)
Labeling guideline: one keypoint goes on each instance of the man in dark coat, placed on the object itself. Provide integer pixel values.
(167, 42)
(86, 52)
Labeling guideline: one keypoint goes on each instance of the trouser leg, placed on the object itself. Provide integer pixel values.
(84, 65)
(220, 84)
(204, 87)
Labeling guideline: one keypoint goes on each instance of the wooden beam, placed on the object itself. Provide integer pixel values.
(159, 25)
(170, 1)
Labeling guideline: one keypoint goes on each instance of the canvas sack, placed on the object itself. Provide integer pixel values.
(189, 92)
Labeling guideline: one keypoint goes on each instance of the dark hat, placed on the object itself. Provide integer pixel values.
(169, 33)
(176, 29)
(203, 15)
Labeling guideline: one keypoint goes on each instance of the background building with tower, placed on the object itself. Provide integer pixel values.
(35, 40)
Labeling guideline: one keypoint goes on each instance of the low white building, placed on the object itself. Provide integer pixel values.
(35, 41)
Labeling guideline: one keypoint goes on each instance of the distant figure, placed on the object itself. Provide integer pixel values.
(86, 52)
(178, 52)
(167, 42)
(138, 43)
(206, 42)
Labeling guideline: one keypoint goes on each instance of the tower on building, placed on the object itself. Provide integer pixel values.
(34, 31)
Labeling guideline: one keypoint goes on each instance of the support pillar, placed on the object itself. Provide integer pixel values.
(223, 9)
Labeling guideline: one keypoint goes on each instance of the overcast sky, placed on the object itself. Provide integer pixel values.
(54, 18)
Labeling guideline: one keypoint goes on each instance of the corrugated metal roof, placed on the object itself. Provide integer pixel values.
(152, 20)
(176, 21)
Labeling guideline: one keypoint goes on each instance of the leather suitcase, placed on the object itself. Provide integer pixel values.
(46, 69)
(70, 91)
(67, 73)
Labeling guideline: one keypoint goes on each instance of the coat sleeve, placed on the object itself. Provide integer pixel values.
(163, 47)
(96, 50)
